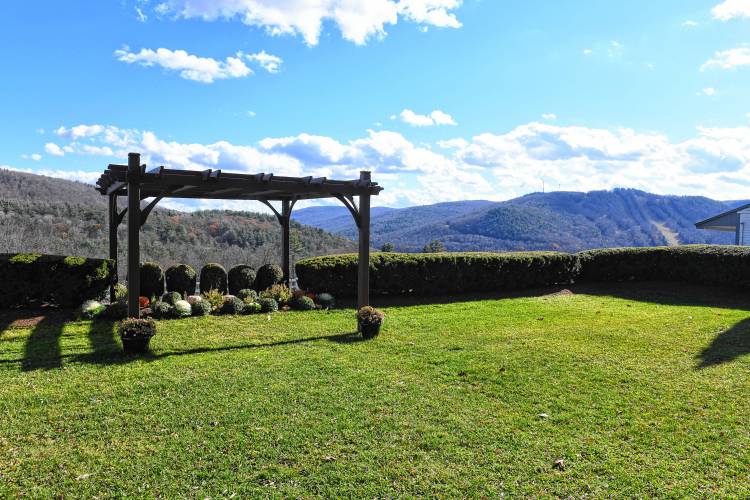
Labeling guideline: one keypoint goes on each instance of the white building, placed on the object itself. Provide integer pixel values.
(736, 220)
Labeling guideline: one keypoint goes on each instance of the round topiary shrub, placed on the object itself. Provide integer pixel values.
(181, 278)
(171, 298)
(326, 300)
(302, 303)
(232, 305)
(251, 308)
(247, 295)
(213, 277)
(267, 276)
(152, 280)
(192, 299)
(162, 310)
(268, 305)
(182, 309)
(240, 278)
(201, 308)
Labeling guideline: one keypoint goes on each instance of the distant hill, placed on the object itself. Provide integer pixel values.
(566, 221)
(49, 215)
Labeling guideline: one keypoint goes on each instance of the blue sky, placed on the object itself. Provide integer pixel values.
(475, 99)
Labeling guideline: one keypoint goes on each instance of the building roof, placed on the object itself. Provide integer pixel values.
(726, 221)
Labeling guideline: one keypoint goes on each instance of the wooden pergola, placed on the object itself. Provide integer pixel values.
(137, 184)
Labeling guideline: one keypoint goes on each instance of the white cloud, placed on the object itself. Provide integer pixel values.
(71, 175)
(714, 162)
(33, 157)
(709, 91)
(190, 67)
(140, 15)
(268, 62)
(728, 59)
(357, 20)
(437, 117)
(549, 116)
(587, 52)
(251, 114)
(731, 9)
(53, 149)
(690, 24)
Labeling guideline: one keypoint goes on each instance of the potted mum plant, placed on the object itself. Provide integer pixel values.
(136, 334)
(369, 321)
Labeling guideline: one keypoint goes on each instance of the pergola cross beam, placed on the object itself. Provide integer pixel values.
(136, 183)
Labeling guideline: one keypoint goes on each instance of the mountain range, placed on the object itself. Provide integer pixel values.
(564, 221)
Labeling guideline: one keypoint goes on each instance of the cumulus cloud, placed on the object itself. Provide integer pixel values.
(268, 62)
(71, 175)
(731, 9)
(437, 117)
(549, 116)
(728, 59)
(53, 149)
(189, 66)
(357, 20)
(714, 162)
(33, 157)
(709, 91)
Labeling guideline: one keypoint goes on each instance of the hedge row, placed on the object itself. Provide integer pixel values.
(438, 273)
(65, 281)
(448, 273)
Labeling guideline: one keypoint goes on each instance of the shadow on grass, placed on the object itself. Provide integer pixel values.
(42, 349)
(658, 292)
(727, 346)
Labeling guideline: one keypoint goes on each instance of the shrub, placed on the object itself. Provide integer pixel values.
(438, 274)
(268, 304)
(215, 298)
(302, 303)
(181, 278)
(116, 310)
(162, 310)
(251, 308)
(280, 293)
(200, 308)
(192, 299)
(699, 264)
(59, 280)
(152, 280)
(121, 292)
(267, 276)
(171, 298)
(326, 300)
(182, 309)
(213, 277)
(136, 328)
(240, 278)
(91, 309)
(232, 305)
(247, 295)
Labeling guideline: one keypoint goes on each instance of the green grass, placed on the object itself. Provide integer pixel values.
(646, 392)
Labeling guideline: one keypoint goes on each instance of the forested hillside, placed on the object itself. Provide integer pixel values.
(566, 221)
(47, 215)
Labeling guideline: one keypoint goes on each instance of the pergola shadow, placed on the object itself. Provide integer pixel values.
(135, 183)
(727, 346)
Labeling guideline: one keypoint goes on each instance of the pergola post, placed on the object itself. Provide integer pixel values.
(113, 241)
(286, 212)
(134, 226)
(363, 275)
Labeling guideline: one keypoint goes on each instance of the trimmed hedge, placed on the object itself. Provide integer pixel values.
(452, 273)
(152, 280)
(181, 278)
(241, 277)
(721, 265)
(55, 279)
(213, 277)
(438, 273)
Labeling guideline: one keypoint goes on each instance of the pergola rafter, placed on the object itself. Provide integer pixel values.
(136, 183)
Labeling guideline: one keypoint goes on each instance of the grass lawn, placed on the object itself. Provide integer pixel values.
(642, 390)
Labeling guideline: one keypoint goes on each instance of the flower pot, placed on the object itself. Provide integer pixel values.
(135, 345)
(369, 330)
